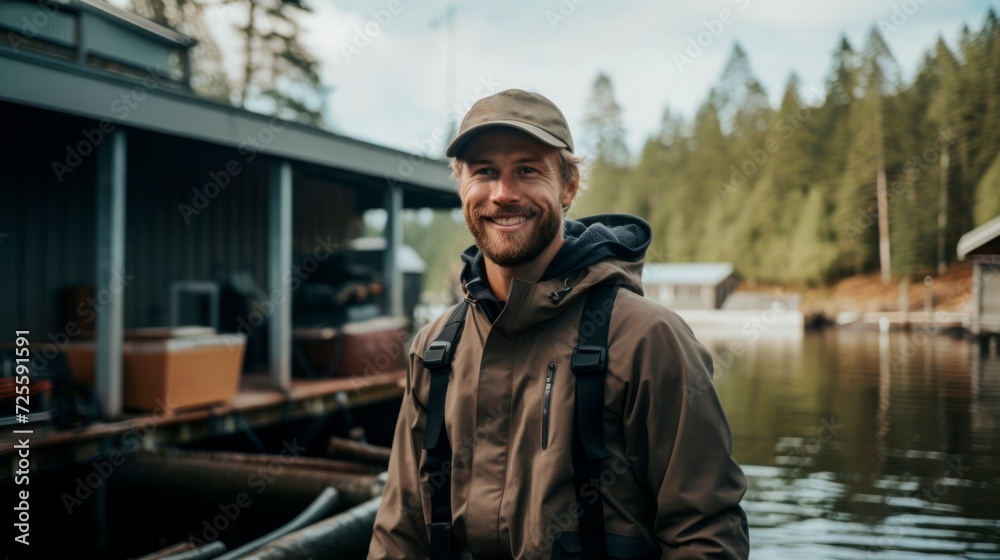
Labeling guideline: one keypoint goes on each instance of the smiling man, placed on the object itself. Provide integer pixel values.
(555, 412)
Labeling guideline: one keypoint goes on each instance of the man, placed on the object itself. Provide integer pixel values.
(522, 470)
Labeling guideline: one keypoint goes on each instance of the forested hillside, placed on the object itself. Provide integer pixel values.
(870, 174)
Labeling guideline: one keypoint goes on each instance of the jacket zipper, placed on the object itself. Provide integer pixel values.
(546, 399)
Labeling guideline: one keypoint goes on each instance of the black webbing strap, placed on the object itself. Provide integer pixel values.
(437, 359)
(590, 363)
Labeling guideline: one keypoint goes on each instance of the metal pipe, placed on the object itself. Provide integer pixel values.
(318, 463)
(210, 550)
(209, 480)
(169, 551)
(318, 510)
(350, 449)
(346, 535)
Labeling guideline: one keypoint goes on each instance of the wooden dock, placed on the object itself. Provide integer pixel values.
(924, 320)
(255, 405)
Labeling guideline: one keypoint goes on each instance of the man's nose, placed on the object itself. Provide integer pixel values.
(505, 190)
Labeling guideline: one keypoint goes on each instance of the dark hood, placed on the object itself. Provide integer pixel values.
(586, 241)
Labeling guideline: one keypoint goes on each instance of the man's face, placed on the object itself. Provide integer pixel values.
(512, 194)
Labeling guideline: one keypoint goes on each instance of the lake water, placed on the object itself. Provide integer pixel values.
(864, 445)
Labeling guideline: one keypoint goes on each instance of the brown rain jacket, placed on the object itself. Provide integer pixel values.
(671, 487)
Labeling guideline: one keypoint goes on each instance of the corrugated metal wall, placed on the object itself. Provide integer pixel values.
(50, 224)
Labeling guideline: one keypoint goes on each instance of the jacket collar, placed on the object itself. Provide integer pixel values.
(599, 249)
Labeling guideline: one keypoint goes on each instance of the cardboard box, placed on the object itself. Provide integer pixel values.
(170, 373)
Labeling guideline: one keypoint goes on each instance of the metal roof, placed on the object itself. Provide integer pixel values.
(125, 17)
(686, 274)
(39, 81)
(983, 237)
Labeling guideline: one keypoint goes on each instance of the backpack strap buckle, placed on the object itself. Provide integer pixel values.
(589, 358)
(438, 355)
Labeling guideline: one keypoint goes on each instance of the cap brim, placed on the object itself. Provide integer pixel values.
(531, 129)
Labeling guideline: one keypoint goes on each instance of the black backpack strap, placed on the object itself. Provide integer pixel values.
(590, 363)
(437, 359)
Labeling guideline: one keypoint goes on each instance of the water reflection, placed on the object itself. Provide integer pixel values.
(865, 445)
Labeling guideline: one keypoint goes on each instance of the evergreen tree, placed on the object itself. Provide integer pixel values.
(980, 141)
(987, 204)
(945, 111)
(208, 75)
(603, 128)
(280, 77)
(740, 99)
(871, 158)
(604, 140)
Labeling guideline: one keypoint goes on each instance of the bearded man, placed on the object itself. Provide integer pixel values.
(555, 412)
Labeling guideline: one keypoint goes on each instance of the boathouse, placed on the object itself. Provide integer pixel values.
(982, 246)
(689, 285)
(136, 217)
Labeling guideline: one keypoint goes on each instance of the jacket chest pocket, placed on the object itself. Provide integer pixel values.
(550, 377)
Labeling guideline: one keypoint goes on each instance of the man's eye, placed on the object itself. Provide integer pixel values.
(527, 170)
(484, 171)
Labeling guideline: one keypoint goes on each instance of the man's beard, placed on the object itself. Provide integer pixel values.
(515, 248)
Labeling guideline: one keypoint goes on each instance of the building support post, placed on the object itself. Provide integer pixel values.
(111, 280)
(279, 263)
(393, 277)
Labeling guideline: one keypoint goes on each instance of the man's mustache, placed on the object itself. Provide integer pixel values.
(505, 211)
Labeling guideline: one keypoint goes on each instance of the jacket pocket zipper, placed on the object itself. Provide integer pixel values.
(546, 400)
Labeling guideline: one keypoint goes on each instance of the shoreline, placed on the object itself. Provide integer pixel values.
(860, 301)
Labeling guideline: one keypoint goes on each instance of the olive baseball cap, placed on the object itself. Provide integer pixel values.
(515, 108)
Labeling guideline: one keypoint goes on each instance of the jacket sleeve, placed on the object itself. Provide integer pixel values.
(400, 531)
(690, 470)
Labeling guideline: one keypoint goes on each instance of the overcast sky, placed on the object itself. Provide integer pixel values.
(390, 71)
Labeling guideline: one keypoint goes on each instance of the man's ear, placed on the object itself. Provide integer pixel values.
(570, 188)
